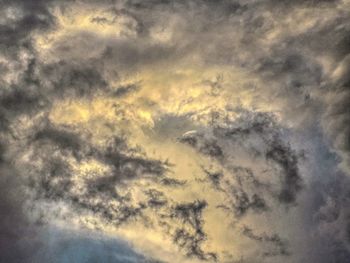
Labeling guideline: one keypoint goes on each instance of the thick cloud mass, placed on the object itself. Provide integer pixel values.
(174, 131)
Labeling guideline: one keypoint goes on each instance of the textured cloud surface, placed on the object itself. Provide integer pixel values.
(174, 131)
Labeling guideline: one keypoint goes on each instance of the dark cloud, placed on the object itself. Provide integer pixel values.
(72, 79)
(167, 181)
(245, 195)
(191, 235)
(156, 198)
(294, 69)
(18, 234)
(126, 90)
(55, 182)
(279, 246)
(214, 177)
(19, 101)
(243, 134)
(60, 137)
(303, 3)
(34, 16)
(127, 164)
(242, 203)
(332, 215)
(288, 160)
(206, 146)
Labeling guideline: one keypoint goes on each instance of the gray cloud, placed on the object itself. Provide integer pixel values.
(18, 234)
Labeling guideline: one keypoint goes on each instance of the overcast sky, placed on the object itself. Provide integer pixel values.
(174, 131)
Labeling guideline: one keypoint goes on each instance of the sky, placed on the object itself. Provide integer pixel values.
(153, 131)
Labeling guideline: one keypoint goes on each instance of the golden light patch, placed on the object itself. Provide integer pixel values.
(105, 23)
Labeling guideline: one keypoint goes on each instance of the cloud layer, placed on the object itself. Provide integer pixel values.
(189, 131)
